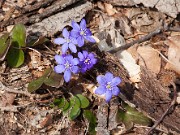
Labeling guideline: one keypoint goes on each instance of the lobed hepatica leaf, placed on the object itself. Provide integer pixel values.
(75, 112)
(132, 116)
(4, 45)
(19, 35)
(36, 84)
(60, 102)
(66, 106)
(87, 114)
(54, 80)
(75, 105)
(15, 57)
(83, 100)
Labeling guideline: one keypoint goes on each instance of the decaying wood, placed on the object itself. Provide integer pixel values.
(150, 96)
(57, 22)
(169, 7)
(166, 112)
(31, 14)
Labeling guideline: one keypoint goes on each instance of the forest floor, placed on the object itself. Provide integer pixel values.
(138, 41)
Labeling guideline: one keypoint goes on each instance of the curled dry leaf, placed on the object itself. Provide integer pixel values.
(150, 58)
(92, 88)
(7, 99)
(173, 53)
(107, 8)
(130, 65)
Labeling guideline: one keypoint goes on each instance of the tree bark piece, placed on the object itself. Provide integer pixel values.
(57, 22)
(31, 16)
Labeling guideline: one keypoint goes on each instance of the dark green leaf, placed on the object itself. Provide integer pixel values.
(74, 113)
(19, 35)
(59, 102)
(4, 46)
(39, 41)
(54, 80)
(66, 106)
(131, 115)
(75, 105)
(74, 101)
(92, 121)
(137, 117)
(84, 101)
(36, 84)
(15, 57)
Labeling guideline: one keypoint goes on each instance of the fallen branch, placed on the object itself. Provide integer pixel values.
(3, 87)
(9, 108)
(26, 93)
(145, 38)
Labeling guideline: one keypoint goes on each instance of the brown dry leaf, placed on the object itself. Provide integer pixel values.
(150, 58)
(145, 20)
(173, 53)
(109, 9)
(42, 118)
(101, 5)
(7, 99)
(46, 121)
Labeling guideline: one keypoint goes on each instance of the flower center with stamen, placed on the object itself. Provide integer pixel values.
(68, 40)
(87, 61)
(67, 65)
(108, 86)
(82, 33)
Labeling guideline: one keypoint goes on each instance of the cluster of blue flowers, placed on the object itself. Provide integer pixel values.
(67, 64)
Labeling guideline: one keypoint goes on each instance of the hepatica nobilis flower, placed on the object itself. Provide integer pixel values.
(67, 65)
(86, 60)
(67, 42)
(108, 86)
(81, 32)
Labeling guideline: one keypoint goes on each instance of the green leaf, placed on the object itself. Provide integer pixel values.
(75, 111)
(59, 102)
(84, 101)
(38, 41)
(36, 84)
(92, 121)
(19, 35)
(4, 46)
(131, 116)
(66, 106)
(54, 80)
(74, 101)
(15, 57)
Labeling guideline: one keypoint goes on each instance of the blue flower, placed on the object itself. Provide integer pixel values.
(66, 65)
(80, 32)
(86, 61)
(68, 42)
(108, 86)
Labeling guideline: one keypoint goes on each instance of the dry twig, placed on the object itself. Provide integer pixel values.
(145, 38)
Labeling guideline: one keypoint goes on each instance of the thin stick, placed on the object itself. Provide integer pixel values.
(145, 38)
(167, 110)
